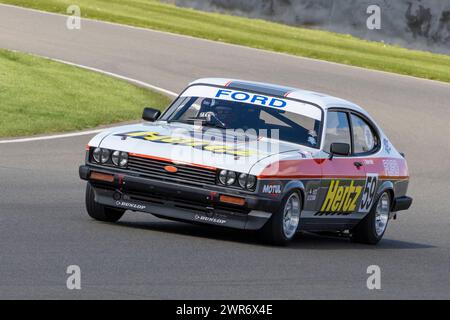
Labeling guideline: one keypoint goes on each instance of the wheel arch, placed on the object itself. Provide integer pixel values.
(295, 186)
(389, 187)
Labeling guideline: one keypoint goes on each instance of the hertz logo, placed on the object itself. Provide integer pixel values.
(341, 198)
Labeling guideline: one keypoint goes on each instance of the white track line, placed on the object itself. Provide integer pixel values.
(118, 76)
(83, 133)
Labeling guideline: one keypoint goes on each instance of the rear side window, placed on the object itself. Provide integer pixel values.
(337, 130)
(364, 138)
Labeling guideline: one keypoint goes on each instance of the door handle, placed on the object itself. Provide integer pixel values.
(357, 164)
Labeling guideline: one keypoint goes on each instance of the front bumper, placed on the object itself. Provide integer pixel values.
(178, 201)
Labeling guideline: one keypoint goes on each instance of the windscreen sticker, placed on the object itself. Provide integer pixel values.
(255, 99)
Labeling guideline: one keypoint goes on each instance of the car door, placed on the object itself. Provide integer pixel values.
(343, 177)
(366, 142)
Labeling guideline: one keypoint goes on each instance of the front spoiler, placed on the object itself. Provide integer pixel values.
(175, 201)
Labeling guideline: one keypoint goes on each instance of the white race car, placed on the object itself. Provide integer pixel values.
(251, 156)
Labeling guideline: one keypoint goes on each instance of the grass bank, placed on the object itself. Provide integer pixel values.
(38, 95)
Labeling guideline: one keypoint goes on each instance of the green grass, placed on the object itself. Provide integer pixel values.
(40, 96)
(258, 34)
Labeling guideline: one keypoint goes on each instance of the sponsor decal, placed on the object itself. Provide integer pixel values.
(368, 161)
(190, 141)
(247, 97)
(252, 100)
(391, 167)
(370, 189)
(216, 220)
(272, 188)
(341, 197)
(387, 145)
(312, 194)
(130, 205)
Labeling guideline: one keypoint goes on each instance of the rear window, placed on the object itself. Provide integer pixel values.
(364, 139)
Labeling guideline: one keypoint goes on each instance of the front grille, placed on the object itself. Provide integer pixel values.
(188, 174)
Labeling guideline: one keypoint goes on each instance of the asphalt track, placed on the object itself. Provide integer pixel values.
(44, 227)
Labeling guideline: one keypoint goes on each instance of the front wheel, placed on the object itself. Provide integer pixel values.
(100, 212)
(283, 225)
(372, 228)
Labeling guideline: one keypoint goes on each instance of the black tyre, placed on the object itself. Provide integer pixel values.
(372, 228)
(98, 211)
(283, 225)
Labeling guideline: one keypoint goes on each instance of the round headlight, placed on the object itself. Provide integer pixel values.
(115, 157)
(96, 154)
(123, 159)
(227, 177)
(247, 181)
(105, 155)
(231, 177)
(119, 158)
(242, 180)
(251, 182)
(223, 176)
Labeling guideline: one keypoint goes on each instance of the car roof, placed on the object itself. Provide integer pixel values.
(322, 100)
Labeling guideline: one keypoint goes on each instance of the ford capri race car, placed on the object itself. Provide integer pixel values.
(251, 156)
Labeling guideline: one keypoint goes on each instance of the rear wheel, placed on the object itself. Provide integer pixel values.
(372, 228)
(283, 225)
(100, 212)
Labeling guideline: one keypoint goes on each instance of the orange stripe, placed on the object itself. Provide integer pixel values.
(171, 161)
(228, 83)
(394, 178)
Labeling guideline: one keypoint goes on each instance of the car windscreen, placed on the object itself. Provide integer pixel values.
(272, 117)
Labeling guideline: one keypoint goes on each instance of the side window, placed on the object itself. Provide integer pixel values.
(337, 130)
(364, 139)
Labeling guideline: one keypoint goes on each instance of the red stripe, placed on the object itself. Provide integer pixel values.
(336, 168)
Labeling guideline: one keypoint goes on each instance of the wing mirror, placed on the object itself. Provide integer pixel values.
(340, 149)
(150, 114)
